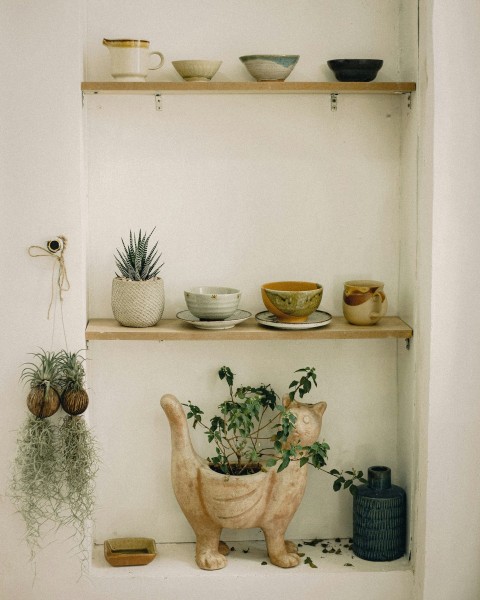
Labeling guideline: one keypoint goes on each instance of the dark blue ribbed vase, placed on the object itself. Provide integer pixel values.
(379, 518)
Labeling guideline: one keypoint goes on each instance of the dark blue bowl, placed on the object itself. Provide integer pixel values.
(355, 69)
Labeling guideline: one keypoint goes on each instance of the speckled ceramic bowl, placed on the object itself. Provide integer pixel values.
(212, 303)
(292, 301)
(270, 67)
(196, 70)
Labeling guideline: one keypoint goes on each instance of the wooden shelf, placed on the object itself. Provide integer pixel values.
(176, 330)
(247, 87)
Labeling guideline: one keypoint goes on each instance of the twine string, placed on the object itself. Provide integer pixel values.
(62, 282)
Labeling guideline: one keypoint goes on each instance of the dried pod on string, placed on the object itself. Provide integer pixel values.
(44, 378)
(74, 398)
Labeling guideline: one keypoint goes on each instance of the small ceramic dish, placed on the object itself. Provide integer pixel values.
(196, 70)
(319, 318)
(238, 317)
(129, 552)
(211, 303)
(270, 67)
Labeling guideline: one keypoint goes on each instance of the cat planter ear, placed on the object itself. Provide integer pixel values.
(320, 408)
(286, 401)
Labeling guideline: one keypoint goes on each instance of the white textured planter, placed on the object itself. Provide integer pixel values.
(138, 303)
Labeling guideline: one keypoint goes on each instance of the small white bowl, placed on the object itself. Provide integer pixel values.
(196, 70)
(211, 303)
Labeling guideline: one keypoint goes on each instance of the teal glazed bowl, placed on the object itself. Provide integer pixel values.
(270, 67)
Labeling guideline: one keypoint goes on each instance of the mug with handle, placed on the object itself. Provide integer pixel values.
(364, 301)
(130, 59)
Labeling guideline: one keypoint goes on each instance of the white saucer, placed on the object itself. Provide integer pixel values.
(237, 317)
(317, 319)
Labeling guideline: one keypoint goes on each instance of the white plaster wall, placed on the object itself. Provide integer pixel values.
(451, 133)
(41, 197)
(40, 149)
(243, 190)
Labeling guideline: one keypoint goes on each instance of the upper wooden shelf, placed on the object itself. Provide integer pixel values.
(247, 87)
(176, 330)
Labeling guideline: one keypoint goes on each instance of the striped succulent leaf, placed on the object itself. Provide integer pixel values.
(135, 262)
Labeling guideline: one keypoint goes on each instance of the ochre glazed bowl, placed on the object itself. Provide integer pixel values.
(292, 301)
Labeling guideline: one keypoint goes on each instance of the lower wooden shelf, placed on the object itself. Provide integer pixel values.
(176, 330)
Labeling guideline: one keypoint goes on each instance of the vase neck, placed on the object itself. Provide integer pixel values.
(379, 478)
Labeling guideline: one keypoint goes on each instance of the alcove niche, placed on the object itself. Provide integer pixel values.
(243, 189)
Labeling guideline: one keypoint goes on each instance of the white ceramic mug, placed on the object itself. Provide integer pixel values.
(364, 302)
(130, 59)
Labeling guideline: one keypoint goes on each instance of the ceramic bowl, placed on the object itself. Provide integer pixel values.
(355, 69)
(212, 303)
(270, 67)
(196, 70)
(292, 301)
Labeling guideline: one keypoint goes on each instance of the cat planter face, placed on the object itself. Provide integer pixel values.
(211, 501)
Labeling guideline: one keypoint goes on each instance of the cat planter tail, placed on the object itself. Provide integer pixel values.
(211, 501)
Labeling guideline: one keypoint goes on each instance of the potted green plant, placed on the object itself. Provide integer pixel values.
(137, 291)
(255, 477)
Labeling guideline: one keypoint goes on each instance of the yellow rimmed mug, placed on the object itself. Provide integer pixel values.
(130, 59)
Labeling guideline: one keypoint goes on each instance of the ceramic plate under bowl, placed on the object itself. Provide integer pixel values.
(237, 317)
(129, 552)
(317, 319)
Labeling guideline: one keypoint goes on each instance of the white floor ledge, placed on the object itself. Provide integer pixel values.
(337, 572)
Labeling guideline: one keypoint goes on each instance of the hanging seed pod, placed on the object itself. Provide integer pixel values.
(43, 376)
(74, 402)
(43, 401)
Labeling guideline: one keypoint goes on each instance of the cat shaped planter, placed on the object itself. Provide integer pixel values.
(211, 501)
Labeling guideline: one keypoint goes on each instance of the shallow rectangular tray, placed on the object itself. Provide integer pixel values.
(129, 552)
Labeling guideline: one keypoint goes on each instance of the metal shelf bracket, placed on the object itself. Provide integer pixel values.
(333, 102)
(158, 101)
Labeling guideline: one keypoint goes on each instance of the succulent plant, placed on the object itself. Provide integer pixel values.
(135, 262)
(44, 378)
(74, 398)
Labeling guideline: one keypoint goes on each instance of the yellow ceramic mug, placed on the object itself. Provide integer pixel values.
(364, 302)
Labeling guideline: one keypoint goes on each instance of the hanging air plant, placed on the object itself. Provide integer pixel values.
(74, 398)
(53, 479)
(35, 484)
(78, 458)
(44, 378)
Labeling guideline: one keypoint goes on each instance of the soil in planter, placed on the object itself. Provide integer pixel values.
(238, 469)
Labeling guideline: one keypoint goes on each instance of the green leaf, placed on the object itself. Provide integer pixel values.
(308, 561)
(337, 485)
(284, 464)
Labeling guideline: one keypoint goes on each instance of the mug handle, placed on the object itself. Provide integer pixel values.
(161, 60)
(379, 297)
